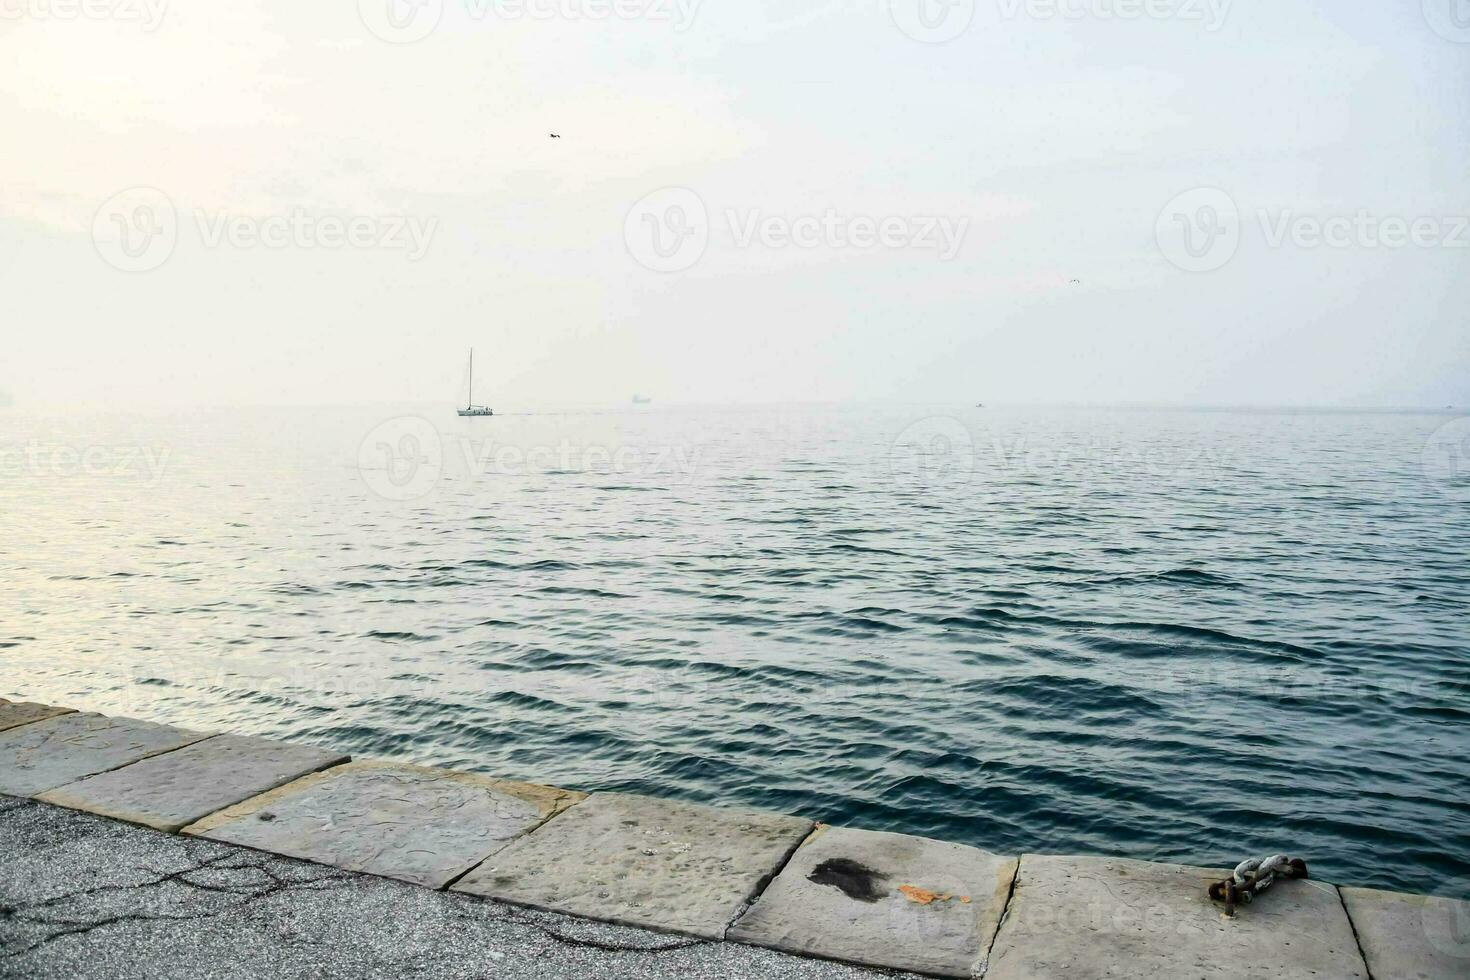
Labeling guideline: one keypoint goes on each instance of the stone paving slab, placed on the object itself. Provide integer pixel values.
(632, 860)
(425, 826)
(1411, 937)
(882, 899)
(16, 713)
(84, 898)
(46, 754)
(1087, 918)
(167, 791)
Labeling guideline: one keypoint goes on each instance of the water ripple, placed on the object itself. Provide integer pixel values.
(1173, 635)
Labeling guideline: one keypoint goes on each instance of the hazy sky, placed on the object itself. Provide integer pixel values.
(883, 216)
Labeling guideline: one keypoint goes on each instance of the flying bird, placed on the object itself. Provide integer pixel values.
(556, 136)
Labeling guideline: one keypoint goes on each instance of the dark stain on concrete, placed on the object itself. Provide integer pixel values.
(856, 881)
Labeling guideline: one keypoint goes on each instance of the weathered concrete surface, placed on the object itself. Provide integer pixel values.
(425, 826)
(1411, 937)
(16, 713)
(83, 897)
(1086, 918)
(46, 754)
(883, 900)
(637, 861)
(168, 791)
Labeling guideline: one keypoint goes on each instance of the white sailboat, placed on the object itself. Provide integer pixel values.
(470, 407)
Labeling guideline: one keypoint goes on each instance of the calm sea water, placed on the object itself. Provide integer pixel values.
(1190, 636)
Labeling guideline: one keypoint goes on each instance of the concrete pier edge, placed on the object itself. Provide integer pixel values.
(870, 898)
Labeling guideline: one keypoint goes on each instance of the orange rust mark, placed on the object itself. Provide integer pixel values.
(923, 896)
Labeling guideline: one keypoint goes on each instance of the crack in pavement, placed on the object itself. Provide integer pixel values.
(32, 914)
(268, 883)
(607, 947)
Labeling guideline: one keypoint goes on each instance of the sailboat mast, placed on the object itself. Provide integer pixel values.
(472, 378)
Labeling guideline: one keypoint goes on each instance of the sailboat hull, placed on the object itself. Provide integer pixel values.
(475, 412)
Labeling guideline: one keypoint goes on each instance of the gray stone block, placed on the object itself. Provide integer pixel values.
(883, 900)
(46, 754)
(1411, 937)
(425, 826)
(13, 714)
(1087, 918)
(631, 860)
(168, 791)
